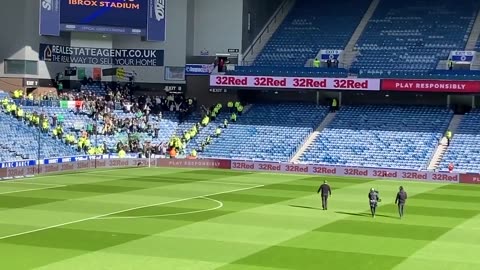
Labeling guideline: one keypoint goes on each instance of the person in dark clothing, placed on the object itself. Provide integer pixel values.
(400, 201)
(324, 191)
(374, 199)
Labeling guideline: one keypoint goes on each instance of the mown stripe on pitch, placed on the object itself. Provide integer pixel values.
(20, 257)
(305, 259)
(357, 223)
(64, 238)
(462, 187)
(9, 202)
(108, 227)
(358, 243)
(220, 173)
(450, 198)
(441, 212)
(97, 188)
(380, 229)
(79, 191)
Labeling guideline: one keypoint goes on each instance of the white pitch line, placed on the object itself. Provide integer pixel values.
(98, 172)
(123, 211)
(23, 182)
(30, 189)
(219, 205)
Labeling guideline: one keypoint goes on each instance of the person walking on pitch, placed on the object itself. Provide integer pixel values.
(324, 191)
(400, 200)
(374, 199)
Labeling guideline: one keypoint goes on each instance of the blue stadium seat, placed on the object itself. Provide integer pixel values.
(408, 38)
(19, 142)
(464, 149)
(290, 71)
(310, 27)
(267, 132)
(26, 138)
(380, 136)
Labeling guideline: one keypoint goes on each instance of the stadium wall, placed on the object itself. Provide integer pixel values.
(217, 26)
(260, 12)
(190, 28)
(79, 39)
(9, 172)
(21, 40)
(198, 86)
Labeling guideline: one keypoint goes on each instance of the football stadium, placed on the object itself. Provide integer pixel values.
(240, 134)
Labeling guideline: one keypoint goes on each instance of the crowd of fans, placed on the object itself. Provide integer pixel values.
(142, 115)
(101, 109)
(178, 144)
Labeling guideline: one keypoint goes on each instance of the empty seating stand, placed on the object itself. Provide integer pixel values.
(413, 36)
(290, 71)
(464, 149)
(415, 74)
(380, 136)
(310, 27)
(267, 132)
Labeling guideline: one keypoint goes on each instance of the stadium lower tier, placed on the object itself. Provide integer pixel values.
(401, 137)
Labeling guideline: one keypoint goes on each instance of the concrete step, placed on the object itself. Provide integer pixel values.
(350, 48)
(442, 145)
(442, 64)
(437, 157)
(328, 119)
(474, 34)
(476, 62)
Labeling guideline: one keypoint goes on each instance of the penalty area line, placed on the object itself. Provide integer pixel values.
(98, 217)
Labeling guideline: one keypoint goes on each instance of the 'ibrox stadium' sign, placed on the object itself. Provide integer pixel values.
(101, 56)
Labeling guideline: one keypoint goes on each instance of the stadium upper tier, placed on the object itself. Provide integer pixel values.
(464, 149)
(380, 136)
(414, 35)
(415, 74)
(289, 71)
(310, 27)
(267, 132)
(403, 39)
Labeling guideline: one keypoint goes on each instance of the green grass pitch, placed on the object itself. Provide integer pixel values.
(214, 219)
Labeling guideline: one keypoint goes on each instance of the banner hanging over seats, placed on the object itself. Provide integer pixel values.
(326, 55)
(462, 56)
(295, 83)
